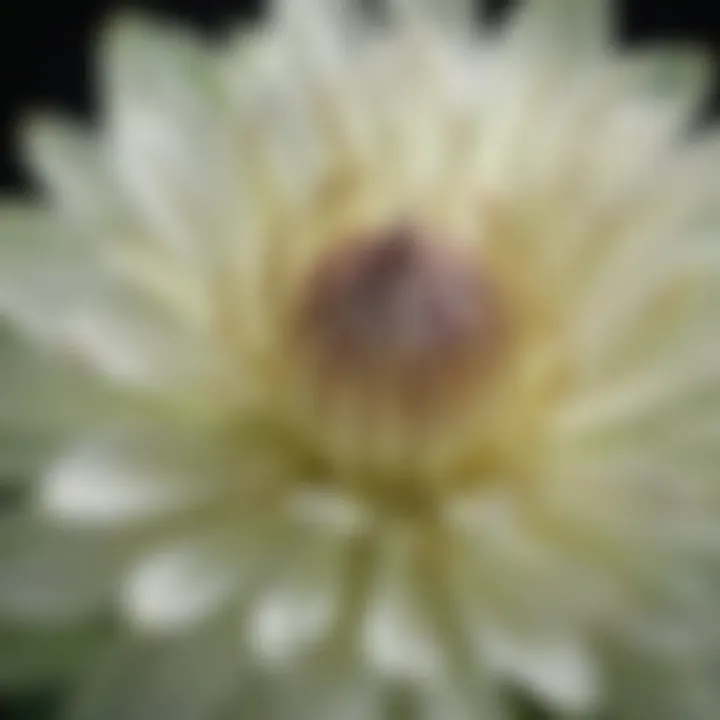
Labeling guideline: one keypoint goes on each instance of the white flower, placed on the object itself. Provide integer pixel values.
(367, 364)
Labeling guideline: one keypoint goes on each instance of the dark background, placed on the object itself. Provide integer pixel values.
(46, 61)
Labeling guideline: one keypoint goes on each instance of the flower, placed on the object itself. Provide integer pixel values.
(365, 364)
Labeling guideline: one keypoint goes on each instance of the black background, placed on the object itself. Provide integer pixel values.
(46, 61)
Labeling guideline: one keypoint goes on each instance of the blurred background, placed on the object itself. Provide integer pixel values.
(46, 62)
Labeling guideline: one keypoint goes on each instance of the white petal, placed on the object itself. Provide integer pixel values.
(105, 483)
(43, 267)
(298, 609)
(321, 41)
(548, 45)
(629, 402)
(142, 56)
(58, 292)
(74, 166)
(557, 670)
(279, 141)
(180, 586)
(620, 302)
(287, 621)
(335, 513)
(457, 17)
(30, 231)
(397, 637)
(567, 29)
(163, 96)
(132, 342)
(333, 24)
(501, 567)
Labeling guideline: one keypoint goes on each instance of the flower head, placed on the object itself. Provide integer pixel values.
(367, 365)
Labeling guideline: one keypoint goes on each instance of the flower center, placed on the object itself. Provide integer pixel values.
(404, 316)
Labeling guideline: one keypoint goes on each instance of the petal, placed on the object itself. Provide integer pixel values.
(41, 266)
(164, 94)
(619, 304)
(642, 577)
(457, 17)
(398, 638)
(74, 167)
(159, 66)
(62, 295)
(182, 585)
(635, 402)
(288, 621)
(28, 228)
(505, 571)
(334, 513)
(134, 343)
(557, 670)
(301, 606)
(320, 42)
(281, 153)
(548, 45)
(333, 23)
(128, 341)
(565, 29)
(653, 499)
(110, 482)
